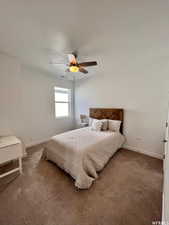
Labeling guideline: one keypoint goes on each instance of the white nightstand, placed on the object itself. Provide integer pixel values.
(10, 149)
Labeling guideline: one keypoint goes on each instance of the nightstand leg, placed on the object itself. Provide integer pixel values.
(20, 165)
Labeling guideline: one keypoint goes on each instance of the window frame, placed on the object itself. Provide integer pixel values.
(67, 91)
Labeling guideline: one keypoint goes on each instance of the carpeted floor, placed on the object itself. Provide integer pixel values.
(127, 192)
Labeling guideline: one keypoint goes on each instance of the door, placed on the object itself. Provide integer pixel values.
(165, 213)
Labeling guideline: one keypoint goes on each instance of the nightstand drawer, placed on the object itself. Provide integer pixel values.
(10, 152)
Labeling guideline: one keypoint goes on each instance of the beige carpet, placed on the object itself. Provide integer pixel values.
(127, 192)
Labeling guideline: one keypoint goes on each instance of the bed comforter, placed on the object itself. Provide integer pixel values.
(83, 152)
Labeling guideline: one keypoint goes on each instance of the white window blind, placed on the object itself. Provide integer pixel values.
(62, 102)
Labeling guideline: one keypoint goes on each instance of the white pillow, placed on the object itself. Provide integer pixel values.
(103, 121)
(114, 125)
(90, 121)
(97, 125)
(104, 124)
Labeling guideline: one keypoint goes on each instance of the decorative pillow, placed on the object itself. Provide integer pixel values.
(114, 125)
(96, 125)
(104, 124)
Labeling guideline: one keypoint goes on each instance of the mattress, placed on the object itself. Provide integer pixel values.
(83, 152)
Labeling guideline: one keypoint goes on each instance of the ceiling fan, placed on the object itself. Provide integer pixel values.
(74, 66)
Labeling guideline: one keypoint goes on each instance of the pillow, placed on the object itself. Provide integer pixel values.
(90, 121)
(103, 121)
(114, 125)
(96, 125)
(104, 124)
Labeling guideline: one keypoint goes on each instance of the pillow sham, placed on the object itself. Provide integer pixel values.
(96, 125)
(114, 125)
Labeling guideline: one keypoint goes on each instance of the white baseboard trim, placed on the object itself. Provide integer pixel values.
(33, 143)
(149, 153)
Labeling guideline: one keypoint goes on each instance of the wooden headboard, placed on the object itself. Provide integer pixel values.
(107, 113)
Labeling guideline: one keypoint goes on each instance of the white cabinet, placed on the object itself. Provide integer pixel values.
(10, 149)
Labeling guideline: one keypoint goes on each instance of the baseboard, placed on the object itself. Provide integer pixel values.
(149, 153)
(33, 143)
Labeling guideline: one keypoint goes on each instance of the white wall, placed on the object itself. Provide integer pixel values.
(144, 97)
(132, 72)
(26, 102)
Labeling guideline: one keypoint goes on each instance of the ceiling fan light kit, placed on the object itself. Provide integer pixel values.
(75, 67)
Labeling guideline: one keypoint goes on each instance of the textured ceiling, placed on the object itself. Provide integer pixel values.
(37, 31)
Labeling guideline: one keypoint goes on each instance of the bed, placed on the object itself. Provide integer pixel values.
(83, 152)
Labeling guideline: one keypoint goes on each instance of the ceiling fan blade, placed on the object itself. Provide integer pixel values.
(82, 70)
(92, 63)
(72, 58)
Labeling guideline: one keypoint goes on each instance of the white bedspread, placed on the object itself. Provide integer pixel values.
(83, 152)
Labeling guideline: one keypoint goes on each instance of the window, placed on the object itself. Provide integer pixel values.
(62, 102)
